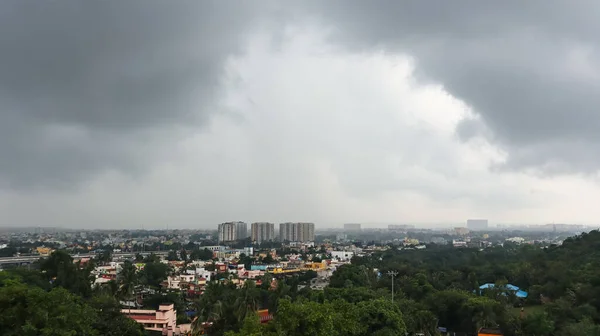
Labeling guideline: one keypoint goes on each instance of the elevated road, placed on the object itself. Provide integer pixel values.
(33, 258)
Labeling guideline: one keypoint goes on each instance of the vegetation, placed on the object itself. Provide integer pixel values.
(436, 287)
(58, 300)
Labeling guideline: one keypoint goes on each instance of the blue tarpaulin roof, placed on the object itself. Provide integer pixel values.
(518, 292)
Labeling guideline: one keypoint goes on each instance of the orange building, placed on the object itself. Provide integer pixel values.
(489, 332)
(264, 315)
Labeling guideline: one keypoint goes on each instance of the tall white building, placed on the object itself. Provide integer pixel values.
(477, 224)
(232, 231)
(242, 230)
(227, 232)
(262, 231)
(297, 232)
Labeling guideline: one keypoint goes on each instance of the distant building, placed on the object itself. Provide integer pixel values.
(227, 232)
(459, 243)
(232, 231)
(477, 224)
(461, 231)
(352, 227)
(400, 227)
(341, 237)
(242, 230)
(297, 232)
(439, 240)
(517, 240)
(342, 255)
(262, 231)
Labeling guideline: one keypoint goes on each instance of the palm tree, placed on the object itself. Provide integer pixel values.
(246, 301)
(127, 280)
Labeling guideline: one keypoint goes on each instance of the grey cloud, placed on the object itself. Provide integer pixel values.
(82, 84)
(93, 86)
(530, 70)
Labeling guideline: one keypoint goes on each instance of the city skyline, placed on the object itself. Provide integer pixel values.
(329, 112)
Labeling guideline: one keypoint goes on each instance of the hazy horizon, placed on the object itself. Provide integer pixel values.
(318, 227)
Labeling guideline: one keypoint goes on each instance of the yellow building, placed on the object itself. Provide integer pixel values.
(44, 251)
(314, 266)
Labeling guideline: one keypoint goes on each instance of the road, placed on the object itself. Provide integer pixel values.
(34, 258)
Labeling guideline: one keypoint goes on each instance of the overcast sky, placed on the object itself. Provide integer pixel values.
(118, 114)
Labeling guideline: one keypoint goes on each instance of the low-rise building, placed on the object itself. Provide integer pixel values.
(342, 255)
(163, 320)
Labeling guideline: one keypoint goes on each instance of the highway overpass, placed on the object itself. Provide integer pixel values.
(21, 260)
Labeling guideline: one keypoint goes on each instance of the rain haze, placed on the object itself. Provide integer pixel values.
(118, 114)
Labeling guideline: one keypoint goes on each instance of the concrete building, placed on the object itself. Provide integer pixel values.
(352, 227)
(163, 320)
(297, 232)
(342, 255)
(262, 231)
(477, 224)
(242, 230)
(227, 232)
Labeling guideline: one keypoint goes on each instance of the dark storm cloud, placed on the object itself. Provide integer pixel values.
(87, 87)
(79, 80)
(530, 69)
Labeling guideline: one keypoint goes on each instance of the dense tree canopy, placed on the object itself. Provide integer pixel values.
(31, 310)
(439, 287)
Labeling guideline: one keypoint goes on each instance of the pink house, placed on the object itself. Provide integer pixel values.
(164, 319)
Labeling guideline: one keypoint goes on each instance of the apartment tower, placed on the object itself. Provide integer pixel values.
(263, 231)
(297, 232)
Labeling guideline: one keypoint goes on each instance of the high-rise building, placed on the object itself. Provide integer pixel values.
(351, 227)
(227, 232)
(297, 232)
(477, 224)
(242, 230)
(262, 231)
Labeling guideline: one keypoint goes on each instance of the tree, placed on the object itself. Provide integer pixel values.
(110, 321)
(152, 258)
(154, 273)
(268, 259)
(172, 256)
(60, 270)
(251, 327)
(8, 252)
(537, 324)
(246, 260)
(352, 275)
(32, 311)
(183, 255)
(127, 280)
(204, 254)
(381, 317)
(584, 327)
(104, 257)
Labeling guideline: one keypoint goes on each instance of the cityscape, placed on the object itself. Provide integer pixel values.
(176, 268)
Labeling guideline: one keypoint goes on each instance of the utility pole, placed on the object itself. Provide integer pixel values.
(392, 274)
